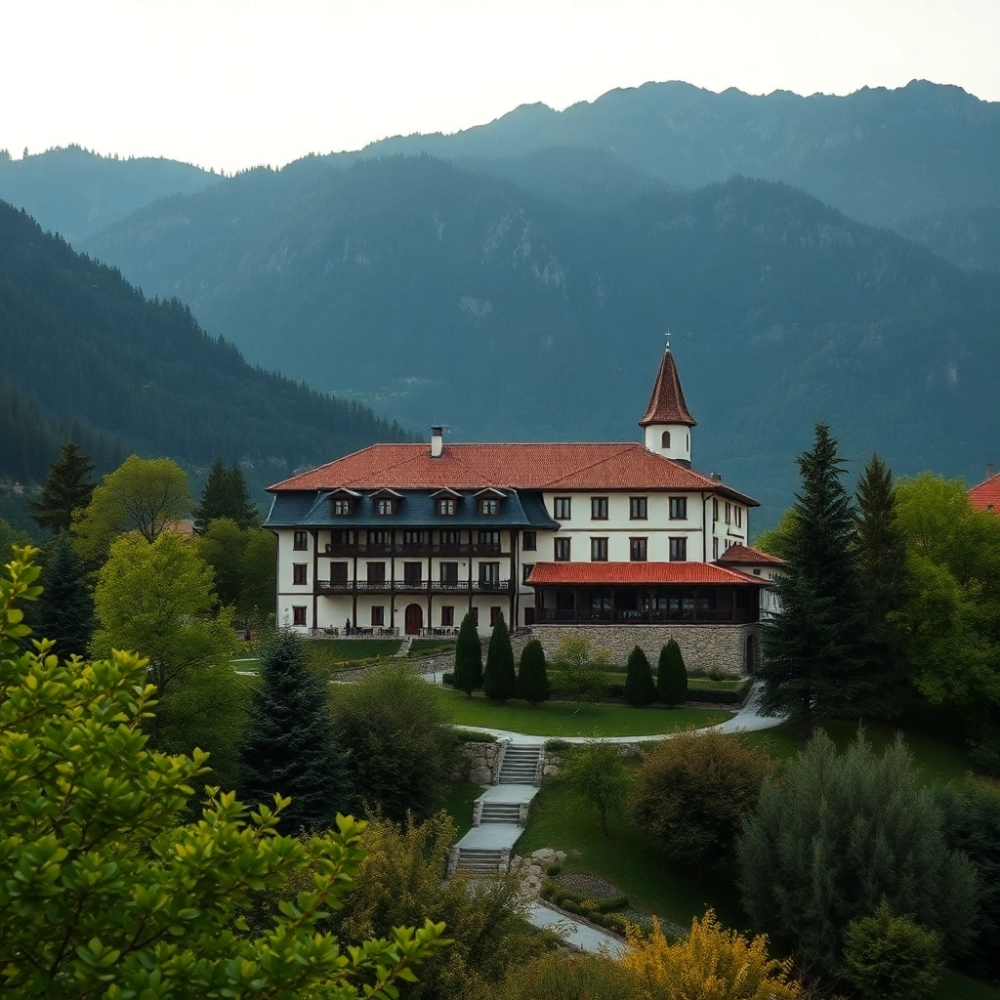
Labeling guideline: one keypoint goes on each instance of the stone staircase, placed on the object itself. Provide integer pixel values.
(482, 861)
(521, 764)
(501, 812)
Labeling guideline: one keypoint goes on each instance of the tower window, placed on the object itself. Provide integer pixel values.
(665, 440)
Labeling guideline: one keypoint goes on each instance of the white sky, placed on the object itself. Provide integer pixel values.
(234, 83)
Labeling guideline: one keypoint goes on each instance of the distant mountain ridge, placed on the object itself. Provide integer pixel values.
(86, 354)
(447, 296)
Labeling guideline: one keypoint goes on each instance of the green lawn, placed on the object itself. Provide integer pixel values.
(955, 986)
(461, 795)
(432, 647)
(564, 718)
(338, 650)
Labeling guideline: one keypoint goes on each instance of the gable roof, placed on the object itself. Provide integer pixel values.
(641, 573)
(744, 555)
(533, 466)
(986, 496)
(666, 405)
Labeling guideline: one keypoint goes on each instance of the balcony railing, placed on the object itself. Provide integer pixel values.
(437, 586)
(631, 617)
(413, 549)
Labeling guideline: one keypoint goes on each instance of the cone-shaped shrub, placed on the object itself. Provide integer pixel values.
(639, 687)
(671, 675)
(499, 679)
(532, 679)
(468, 658)
(290, 746)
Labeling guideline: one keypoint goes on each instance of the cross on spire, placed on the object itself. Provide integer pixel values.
(667, 335)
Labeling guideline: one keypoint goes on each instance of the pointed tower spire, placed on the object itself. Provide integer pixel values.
(666, 405)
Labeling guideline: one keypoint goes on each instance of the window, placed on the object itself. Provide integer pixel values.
(729, 508)
(413, 573)
(563, 505)
(474, 615)
(489, 538)
(526, 569)
(529, 616)
(488, 506)
(678, 549)
(715, 509)
(715, 548)
(384, 507)
(637, 508)
(489, 574)
(450, 537)
(340, 538)
(338, 572)
(449, 572)
(376, 572)
(414, 537)
(637, 549)
(301, 541)
(378, 537)
(378, 616)
(665, 439)
(562, 549)
(446, 506)
(598, 550)
(678, 508)
(341, 508)
(598, 508)
(448, 616)
(299, 571)
(739, 516)
(298, 615)
(530, 541)
(494, 615)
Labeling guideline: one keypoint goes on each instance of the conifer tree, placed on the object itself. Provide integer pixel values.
(68, 486)
(671, 675)
(468, 658)
(290, 746)
(65, 610)
(814, 667)
(225, 495)
(884, 577)
(499, 678)
(242, 508)
(639, 687)
(532, 677)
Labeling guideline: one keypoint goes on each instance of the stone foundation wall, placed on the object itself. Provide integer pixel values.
(476, 763)
(704, 647)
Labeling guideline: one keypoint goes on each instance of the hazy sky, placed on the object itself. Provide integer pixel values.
(234, 83)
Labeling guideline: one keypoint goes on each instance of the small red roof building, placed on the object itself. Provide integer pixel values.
(986, 496)
(744, 555)
(639, 573)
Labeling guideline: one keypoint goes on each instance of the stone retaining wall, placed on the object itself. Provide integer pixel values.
(704, 647)
(477, 762)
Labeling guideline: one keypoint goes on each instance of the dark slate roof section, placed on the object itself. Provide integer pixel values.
(416, 509)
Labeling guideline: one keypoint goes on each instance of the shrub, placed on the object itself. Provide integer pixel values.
(691, 792)
(610, 903)
(532, 679)
(560, 975)
(581, 669)
(865, 822)
(557, 746)
(671, 675)
(639, 687)
(472, 736)
(597, 775)
(468, 658)
(448, 679)
(570, 905)
(718, 696)
(499, 678)
(554, 869)
(401, 750)
(889, 957)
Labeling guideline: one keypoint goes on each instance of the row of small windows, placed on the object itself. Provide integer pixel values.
(638, 508)
(387, 506)
(732, 513)
(638, 549)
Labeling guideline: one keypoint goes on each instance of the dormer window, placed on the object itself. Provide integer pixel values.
(385, 507)
(488, 506)
(341, 507)
(446, 507)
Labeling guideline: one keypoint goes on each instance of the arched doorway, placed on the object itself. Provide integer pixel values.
(414, 619)
(750, 664)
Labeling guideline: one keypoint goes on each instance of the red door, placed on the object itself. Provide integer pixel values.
(414, 619)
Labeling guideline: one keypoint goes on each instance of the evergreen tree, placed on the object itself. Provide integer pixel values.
(884, 576)
(815, 665)
(68, 486)
(65, 610)
(639, 687)
(671, 675)
(225, 495)
(468, 658)
(499, 678)
(532, 677)
(242, 508)
(290, 746)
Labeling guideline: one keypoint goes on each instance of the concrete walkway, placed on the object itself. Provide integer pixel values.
(581, 936)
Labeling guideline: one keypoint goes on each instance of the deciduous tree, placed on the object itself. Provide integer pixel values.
(671, 675)
(68, 487)
(581, 670)
(532, 677)
(499, 677)
(596, 774)
(468, 657)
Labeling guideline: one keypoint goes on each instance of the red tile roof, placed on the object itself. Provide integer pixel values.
(744, 555)
(649, 573)
(622, 466)
(666, 405)
(986, 496)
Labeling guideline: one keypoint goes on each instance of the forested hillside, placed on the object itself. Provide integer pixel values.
(86, 355)
(447, 296)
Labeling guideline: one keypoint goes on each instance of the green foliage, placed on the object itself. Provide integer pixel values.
(814, 667)
(671, 675)
(290, 747)
(110, 893)
(889, 957)
(64, 612)
(971, 814)
(837, 834)
(499, 678)
(225, 495)
(141, 495)
(560, 975)
(532, 677)
(597, 775)
(692, 791)
(468, 658)
(67, 488)
(401, 751)
(243, 562)
(9, 537)
(777, 541)
(639, 687)
(580, 668)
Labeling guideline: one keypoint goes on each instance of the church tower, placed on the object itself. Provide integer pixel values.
(667, 422)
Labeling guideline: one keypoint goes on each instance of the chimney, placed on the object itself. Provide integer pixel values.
(437, 441)
(717, 477)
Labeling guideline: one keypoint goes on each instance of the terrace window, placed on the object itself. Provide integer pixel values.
(376, 572)
(598, 550)
(378, 616)
(448, 616)
(637, 549)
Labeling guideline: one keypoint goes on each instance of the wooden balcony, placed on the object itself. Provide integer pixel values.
(690, 616)
(363, 549)
(412, 586)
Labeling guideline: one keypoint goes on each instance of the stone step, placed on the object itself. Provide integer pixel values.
(500, 813)
(478, 861)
